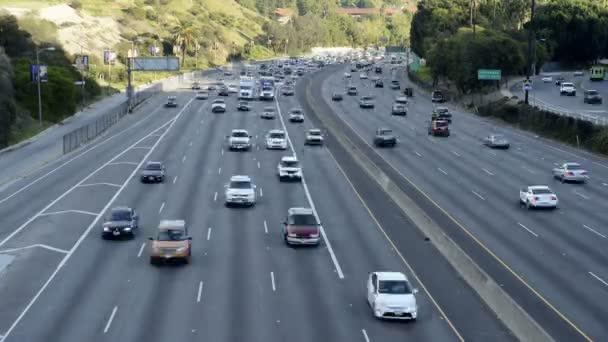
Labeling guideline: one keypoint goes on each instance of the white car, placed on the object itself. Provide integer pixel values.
(202, 95)
(218, 106)
(547, 79)
(289, 169)
(239, 139)
(391, 296)
(570, 172)
(314, 137)
(275, 139)
(567, 88)
(268, 113)
(538, 196)
(401, 99)
(232, 89)
(579, 73)
(347, 75)
(363, 76)
(296, 115)
(240, 191)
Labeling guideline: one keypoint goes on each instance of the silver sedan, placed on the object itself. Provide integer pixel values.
(496, 141)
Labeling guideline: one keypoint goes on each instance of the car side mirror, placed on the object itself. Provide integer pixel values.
(189, 238)
(150, 238)
(414, 291)
(250, 136)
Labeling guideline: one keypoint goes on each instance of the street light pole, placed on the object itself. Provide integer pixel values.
(531, 48)
(51, 48)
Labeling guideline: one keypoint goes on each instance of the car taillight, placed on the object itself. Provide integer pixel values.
(535, 198)
(570, 173)
(553, 198)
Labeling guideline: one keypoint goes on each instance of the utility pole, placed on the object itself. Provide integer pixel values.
(51, 48)
(531, 47)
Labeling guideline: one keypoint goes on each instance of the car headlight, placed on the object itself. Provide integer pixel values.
(181, 249)
(292, 235)
(314, 235)
(106, 229)
(127, 229)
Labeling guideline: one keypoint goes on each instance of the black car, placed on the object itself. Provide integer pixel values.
(243, 106)
(592, 96)
(442, 113)
(437, 97)
(336, 97)
(352, 91)
(395, 85)
(559, 80)
(378, 69)
(224, 92)
(153, 172)
(123, 221)
(379, 84)
(385, 137)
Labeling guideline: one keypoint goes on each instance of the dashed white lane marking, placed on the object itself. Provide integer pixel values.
(272, 281)
(528, 169)
(488, 172)
(219, 171)
(581, 195)
(199, 295)
(492, 152)
(105, 330)
(123, 163)
(478, 195)
(140, 148)
(162, 206)
(261, 193)
(605, 184)
(174, 179)
(598, 278)
(202, 121)
(365, 335)
(69, 212)
(215, 197)
(191, 144)
(208, 233)
(222, 153)
(528, 229)
(258, 165)
(38, 245)
(141, 250)
(456, 153)
(265, 227)
(418, 154)
(595, 231)
(184, 159)
(440, 170)
(97, 184)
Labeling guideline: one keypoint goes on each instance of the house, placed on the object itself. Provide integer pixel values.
(283, 15)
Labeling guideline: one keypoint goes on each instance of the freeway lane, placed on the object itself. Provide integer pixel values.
(479, 187)
(241, 270)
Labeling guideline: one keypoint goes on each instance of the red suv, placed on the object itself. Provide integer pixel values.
(301, 227)
(439, 127)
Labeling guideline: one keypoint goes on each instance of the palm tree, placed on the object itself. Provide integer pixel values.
(184, 39)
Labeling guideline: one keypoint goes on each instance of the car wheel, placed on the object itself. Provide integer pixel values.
(187, 259)
(563, 179)
(528, 205)
(153, 261)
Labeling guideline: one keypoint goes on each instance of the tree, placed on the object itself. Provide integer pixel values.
(7, 105)
(184, 38)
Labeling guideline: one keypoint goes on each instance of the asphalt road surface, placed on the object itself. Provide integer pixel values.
(552, 262)
(65, 283)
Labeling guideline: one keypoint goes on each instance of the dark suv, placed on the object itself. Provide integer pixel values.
(592, 96)
(437, 97)
(123, 221)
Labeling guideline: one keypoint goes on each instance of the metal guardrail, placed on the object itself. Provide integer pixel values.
(596, 120)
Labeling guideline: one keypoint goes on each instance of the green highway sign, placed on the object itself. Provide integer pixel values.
(489, 74)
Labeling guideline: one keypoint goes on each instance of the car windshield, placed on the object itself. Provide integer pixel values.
(171, 235)
(120, 215)
(498, 137)
(219, 101)
(565, 84)
(592, 92)
(441, 123)
(240, 134)
(277, 135)
(542, 191)
(385, 131)
(394, 287)
(290, 163)
(153, 166)
(574, 167)
(296, 111)
(314, 133)
(243, 104)
(303, 220)
(240, 185)
(245, 87)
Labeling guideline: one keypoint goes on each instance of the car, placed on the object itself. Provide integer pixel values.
(538, 196)
(212, 87)
(289, 169)
(442, 113)
(363, 76)
(296, 115)
(276, 139)
(240, 191)
(395, 85)
(437, 96)
(123, 221)
(218, 106)
(196, 86)
(378, 69)
(301, 227)
(439, 128)
(171, 101)
(336, 97)
(379, 83)
(347, 75)
(496, 141)
(239, 139)
(352, 91)
(559, 80)
(243, 106)
(578, 73)
(153, 171)
(287, 91)
(390, 296)
(385, 137)
(367, 101)
(224, 91)
(171, 243)
(268, 113)
(227, 73)
(202, 95)
(567, 88)
(314, 137)
(399, 109)
(570, 172)
(408, 91)
(592, 97)
(547, 79)
(232, 89)
(401, 99)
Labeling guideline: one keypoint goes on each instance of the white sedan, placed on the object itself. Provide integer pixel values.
(570, 172)
(538, 196)
(363, 76)
(390, 296)
(547, 79)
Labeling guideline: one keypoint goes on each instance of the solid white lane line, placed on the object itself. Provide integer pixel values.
(50, 248)
(184, 159)
(105, 330)
(202, 121)
(215, 197)
(272, 281)
(581, 195)
(141, 249)
(418, 154)
(492, 152)
(93, 224)
(174, 179)
(261, 193)
(488, 172)
(68, 212)
(456, 153)
(528, 169)
(200, 292)
(528, 229)
(595, 231)
(258, 165)
(478, 195)
(598, 164)
(265, 227)
(598, 278)
(191, 144)
(219, 171)
(140, 147)
(198, 131)
(209, 234)
(222, 151)
(605, 184)
(334, 259)
(161, 207)
(96, 184)
(440, 170)
(365, 335)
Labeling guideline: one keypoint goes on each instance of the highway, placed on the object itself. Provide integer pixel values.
(65, 283)
(553, 263)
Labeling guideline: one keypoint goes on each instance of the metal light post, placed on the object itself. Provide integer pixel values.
(50, 48)
(531, 47)
(81, 67)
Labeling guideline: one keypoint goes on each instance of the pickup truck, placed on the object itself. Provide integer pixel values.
(385, 137)
(439, 127)
(570, 172)
(567, 88)
(537, 196)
